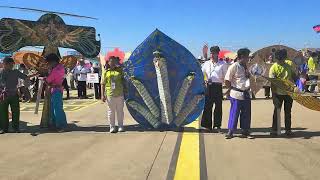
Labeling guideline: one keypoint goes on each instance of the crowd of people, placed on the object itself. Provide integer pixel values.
(16, 84)
(218, 73)
(74, 79)
(236, 77)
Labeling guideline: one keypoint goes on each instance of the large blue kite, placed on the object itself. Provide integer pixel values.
(165, 83)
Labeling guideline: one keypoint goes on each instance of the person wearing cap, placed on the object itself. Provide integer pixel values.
(281, 70)
(214, 72)
(54, 83)
(9, 78)
(112, 86)
(201, 60)
(237, 81)
(81, 75)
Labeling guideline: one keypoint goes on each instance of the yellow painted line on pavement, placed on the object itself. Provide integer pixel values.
(85, 107)
(188, 164)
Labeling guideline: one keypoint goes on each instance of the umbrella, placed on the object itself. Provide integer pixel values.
(264, 53)
(231, 55)
(222, 53)
(117, 53)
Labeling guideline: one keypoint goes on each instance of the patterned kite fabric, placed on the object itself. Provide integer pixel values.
(145, 113)
(49, 31)
(34, 61)
(169, 82)
(309, 102)
(182, 93)
(164, 89)
(184, 113)
(145, 95)
(261, 58)
(284, 85)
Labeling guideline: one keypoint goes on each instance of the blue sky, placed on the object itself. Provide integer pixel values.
(229, 23)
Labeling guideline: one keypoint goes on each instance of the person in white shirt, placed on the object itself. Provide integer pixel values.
(214, 72)
(237, 81)
(81, 75)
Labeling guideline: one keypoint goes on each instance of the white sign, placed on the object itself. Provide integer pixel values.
(92, 78)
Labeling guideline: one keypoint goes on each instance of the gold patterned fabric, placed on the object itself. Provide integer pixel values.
(307, 101)
(261, 58)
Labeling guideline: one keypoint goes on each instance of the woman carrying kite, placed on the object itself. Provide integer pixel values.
(54, 81)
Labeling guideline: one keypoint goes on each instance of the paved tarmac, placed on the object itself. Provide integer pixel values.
(88, 151)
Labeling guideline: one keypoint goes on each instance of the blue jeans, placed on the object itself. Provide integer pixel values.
(59, 119)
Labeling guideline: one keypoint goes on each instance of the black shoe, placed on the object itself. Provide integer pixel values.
(60, 130)
(218, 130)
(2, 131)
(289, 133)
(16, 131)
(273, 133)
(246, 134)
(229, 135)
(249, 136)
(205, 130)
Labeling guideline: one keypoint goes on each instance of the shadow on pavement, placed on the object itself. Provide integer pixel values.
(35, 130)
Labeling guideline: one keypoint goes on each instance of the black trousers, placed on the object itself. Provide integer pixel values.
(82, 89)
(313, 86)
(278, 100)
(267, 90)
(66, 87)
(97, 90)
(214, 96)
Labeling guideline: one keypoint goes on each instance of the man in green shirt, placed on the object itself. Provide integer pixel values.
(112, 91)
(281, 70)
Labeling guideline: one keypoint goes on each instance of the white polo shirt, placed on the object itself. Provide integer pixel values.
(81, 72)
(236, 74)
(215, 71)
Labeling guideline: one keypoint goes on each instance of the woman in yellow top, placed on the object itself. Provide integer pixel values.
(112, 91)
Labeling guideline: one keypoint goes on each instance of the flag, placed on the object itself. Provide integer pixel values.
(316, 28)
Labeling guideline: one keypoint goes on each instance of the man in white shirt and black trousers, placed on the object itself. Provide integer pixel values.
(214, 71)
(81, 74)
